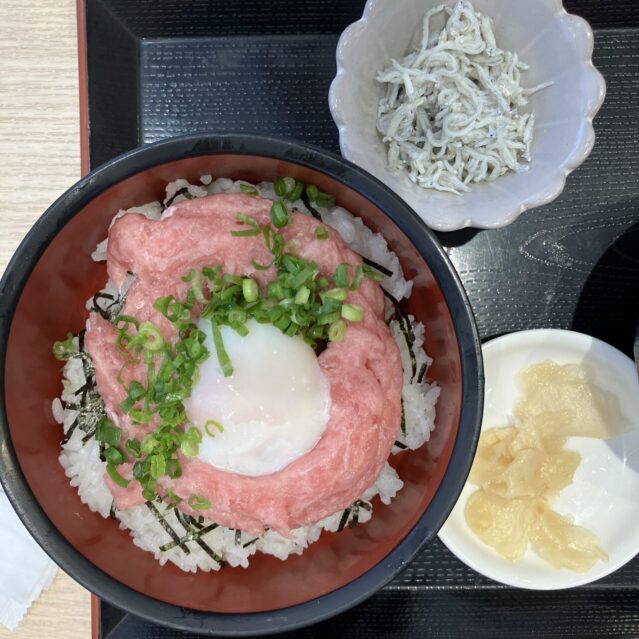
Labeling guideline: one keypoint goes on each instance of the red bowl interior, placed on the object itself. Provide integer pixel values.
(52, 303)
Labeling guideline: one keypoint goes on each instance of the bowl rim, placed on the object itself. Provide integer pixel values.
(110, 589)
(548, 191)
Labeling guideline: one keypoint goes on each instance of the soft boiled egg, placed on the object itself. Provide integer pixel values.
(273, 408)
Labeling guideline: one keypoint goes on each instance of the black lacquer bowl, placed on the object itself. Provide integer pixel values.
(43, 293)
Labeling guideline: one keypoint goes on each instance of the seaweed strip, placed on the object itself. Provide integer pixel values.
(403, 422)
(343, 520)
(238, 537)
(355, 520)
(68, 434)
(248, 543)
(102, 312)
(365, 505)
(407, 331)
(187, 522)
(378, 267)
(174, 536)
(88, 436)
(307, 203)
(422, 372)
(112, 510)
(183, 191)
(210, 552)
(191, 535)
(400, 445)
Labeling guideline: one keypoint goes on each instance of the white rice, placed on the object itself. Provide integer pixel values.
(200, 544)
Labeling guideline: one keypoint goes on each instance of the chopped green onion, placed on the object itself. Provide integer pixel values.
(357, 280)
(196, 502)
(115, 476)
(215, 424)
(114, 455)
(321, 233)
(303, 294)
(139, 416)
(335, 294)
(189, 448)
(328, 318)
(148, 490)
(249, 189)
(133, 447)
(157, 466)
(64, 349)
(247, 219)
(372, 274)
(280, 215)
(107, 433)
(253, 223)
(295, 193)
(148, 444)
(341, 276)
(325, 201)
(261, 267)
(321, 199)
(172, 499)
(279, 186)
(312, 191)
(336, 331)
(138, 470)
(289, 185)
(126, 320)
(250, 290)
(173, 468)
(352, 312)
(220, 351)
(153, 340)
(246, 233)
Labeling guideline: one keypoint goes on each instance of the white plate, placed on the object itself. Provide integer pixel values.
(604, 496)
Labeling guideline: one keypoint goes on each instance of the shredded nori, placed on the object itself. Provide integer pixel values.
(89, 405)
(422, 372)
(407, 331)
(238, 537)
(364, 504)
(174, 536)
(343, 521)
(400, 445)
(382, 269)
(350, 516)
(194, 530)
(403, 422)
(355, 516)
(307, 203)
(110, 310)
(112, 510)
(183, 191)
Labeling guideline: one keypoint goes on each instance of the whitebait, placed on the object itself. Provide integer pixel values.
(450, 116)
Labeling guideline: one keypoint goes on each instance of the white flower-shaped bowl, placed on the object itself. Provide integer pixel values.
(557, 46)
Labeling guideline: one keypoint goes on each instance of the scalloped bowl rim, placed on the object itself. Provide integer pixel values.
(558, 178)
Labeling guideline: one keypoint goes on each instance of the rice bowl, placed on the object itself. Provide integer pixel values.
(339, 569)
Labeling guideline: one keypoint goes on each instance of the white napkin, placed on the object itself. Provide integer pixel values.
(25, 569)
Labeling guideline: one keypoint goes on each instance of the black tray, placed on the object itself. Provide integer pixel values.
(162, 68)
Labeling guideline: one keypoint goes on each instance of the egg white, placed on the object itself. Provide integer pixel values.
(273, 408)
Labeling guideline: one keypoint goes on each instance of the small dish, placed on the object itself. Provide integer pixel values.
(557, 46)
(603, 496)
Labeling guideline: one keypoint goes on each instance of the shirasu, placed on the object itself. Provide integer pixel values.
(450, 112)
